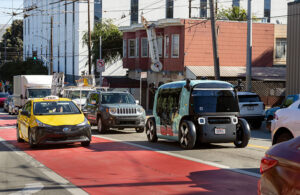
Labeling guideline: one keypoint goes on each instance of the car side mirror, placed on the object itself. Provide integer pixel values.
(137, 101)
(25, 113)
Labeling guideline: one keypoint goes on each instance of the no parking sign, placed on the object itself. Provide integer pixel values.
(100, 65)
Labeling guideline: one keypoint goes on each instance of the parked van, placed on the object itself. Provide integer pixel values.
(197, 111)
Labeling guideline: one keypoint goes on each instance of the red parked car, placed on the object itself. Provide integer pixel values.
(3, 97)
(280, 169)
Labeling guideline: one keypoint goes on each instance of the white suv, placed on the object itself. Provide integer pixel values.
(286, 122)
(251, 108)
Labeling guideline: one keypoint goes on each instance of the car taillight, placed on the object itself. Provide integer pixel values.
(267, 163)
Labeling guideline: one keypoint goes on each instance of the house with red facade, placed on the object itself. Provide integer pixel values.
(185, 51)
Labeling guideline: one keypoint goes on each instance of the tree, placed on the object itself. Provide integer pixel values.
(112, 40)
(28, 67)
(13, 40)
(234, 13)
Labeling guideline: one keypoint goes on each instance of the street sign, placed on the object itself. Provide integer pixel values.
(143, 75)
(100, 65)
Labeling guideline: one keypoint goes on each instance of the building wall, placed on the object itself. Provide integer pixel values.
(69, 25)
(143, 63)
(293, 46)
(232, 42)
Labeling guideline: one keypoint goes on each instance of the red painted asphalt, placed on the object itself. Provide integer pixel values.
(108, 167)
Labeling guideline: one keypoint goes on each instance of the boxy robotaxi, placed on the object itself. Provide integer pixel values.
(197, 111)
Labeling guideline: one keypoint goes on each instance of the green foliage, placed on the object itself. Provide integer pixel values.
(234, 13)
(112, 40)
(13, 37)
(28, 67)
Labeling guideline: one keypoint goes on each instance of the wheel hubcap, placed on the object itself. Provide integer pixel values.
(184, 135)
(149, 129)
(99, 125)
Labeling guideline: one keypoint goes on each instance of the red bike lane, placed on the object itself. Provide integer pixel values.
(108, 167)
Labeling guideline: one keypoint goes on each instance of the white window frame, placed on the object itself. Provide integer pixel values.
(279, 42)
(160, 46)
(124, 48)
(137, 47)
(167, 45)
(129, 49)
(172, 46)
(142, 53)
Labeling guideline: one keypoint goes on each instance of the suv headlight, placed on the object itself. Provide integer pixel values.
(113, 110)
(140, 110)
(40, 124)
(84, 123)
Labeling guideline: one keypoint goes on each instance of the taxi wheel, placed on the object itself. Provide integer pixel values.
(19, 139)
(85, 144)
(187, 135)
(101, 127)
(30, 139)
(151, 130)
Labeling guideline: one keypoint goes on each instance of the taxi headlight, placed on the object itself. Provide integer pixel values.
(140, 110)
(40, 124)
(112, 110)
(85, 122)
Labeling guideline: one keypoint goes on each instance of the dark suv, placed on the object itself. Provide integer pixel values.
(114, 110)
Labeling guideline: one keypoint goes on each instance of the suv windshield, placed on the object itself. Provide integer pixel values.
(249, 98)
(76, 94)
(214, 101)
(55, 108)
(38, 93)
(117, 98)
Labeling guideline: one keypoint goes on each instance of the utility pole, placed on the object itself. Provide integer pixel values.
(249, 48)
(100, 57)
(214, 40)
(190, 8)
(51, 45)
(89, 38)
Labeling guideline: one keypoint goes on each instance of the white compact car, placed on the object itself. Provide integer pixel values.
(286, 123)
(251, 108)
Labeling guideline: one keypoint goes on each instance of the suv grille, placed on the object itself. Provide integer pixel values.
(126, 111)
(219, 120)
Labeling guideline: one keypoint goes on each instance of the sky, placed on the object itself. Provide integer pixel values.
(6, 7)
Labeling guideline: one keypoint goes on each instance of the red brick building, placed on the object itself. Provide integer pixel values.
(185, 47)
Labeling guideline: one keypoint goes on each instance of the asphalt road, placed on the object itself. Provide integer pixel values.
(225, 155)
(24, 171)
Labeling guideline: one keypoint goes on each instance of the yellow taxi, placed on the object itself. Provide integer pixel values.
(52, 120)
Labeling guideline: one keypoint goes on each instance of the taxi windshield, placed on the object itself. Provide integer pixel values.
(55, 108)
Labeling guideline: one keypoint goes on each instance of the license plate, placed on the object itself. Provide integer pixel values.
(220, 131)
(250, 107)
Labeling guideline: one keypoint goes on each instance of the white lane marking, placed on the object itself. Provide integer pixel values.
(8, 127)
(45, 170)
(185, 157)
(30, 189)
